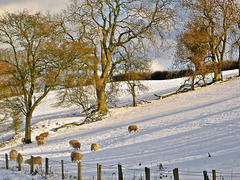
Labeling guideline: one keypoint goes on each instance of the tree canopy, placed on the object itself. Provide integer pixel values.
(34, 54)
(114, 26)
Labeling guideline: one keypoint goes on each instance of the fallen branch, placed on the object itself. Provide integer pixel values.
(86, 121)
(165, 96)
(75, 124)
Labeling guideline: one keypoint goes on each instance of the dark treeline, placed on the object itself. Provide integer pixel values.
(161, 75)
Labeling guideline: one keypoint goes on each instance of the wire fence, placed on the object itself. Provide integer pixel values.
(91, 171)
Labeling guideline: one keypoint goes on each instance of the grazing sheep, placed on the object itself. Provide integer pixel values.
(2, 145)
(45, 134)
(39, 138)
(94, 147)
(76, 145)
(36, 160)
(19, 158)
(40, 142)
(133, 128)
(75, 156)
(72, 142)
(13, 154)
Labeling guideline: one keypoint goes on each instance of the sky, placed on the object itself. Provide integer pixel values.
(161, 62)
(33, 5)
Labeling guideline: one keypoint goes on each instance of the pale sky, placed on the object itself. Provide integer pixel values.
(33, 5)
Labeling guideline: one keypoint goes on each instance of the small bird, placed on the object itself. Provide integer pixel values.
(209, 155)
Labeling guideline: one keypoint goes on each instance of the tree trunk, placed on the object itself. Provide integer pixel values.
(239, 60)
(134, 96)
(101, 99)
(216, 74)
(193, 82)
(28, 128)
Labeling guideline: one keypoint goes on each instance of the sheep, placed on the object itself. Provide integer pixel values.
(45, 134)
(2, 145)
(75, 156)
(40, 142)
(36, 160)
(94, 147)
(39, 138)
(133, 128)
(76, 145)
(13, 154)
(19, 158)
(72, 141)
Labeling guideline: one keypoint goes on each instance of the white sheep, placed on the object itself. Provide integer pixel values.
(76, 145)
(2, 145)
(45, 134)
(72, 142)
(39, 138)
(19, 158)
(36, 160)
(94, 147)
(75, 156)
(13, 154)
(40, 142)
(133, 128)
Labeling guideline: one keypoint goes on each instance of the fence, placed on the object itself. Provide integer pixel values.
(83, 171)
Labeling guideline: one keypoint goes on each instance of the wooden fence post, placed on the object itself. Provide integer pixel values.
(62, 169)
(47, 166)
(31, 165)
(99, 171)
(19, 163)
(214, 174)
(205, 175)
(120, 173)
(79, 170)
(6, 157)
(175, 174)
(147, 173)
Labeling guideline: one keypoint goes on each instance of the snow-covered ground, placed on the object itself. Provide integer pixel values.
(177, 132)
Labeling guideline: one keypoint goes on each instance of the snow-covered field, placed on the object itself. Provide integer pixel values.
(178, 132)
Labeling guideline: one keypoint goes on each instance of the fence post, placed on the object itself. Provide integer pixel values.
(62, 169)
(147, 173)
(99, 171)
(31, 166)
(79, 170)
(6, 157)
(120, 173)
(175, 174)
(19, 163)
(214, 174)
(205, 175)
(47, 166)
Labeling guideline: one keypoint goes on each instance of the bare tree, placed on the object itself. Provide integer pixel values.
(236, 39)
(135, 65)
(110, 26)
(217, 16)
(36, 55)
(191, 51)
(81, 95)
(134, 86)
(238, 43)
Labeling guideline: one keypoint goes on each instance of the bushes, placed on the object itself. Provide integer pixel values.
(132, 76)
(161, 75)
(157, 75)
(229, 65)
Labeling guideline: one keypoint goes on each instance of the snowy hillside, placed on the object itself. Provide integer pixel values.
(177, 132)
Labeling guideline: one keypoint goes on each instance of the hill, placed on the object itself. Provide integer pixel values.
(176, 132)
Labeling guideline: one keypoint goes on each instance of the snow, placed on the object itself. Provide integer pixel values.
(178, 132)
